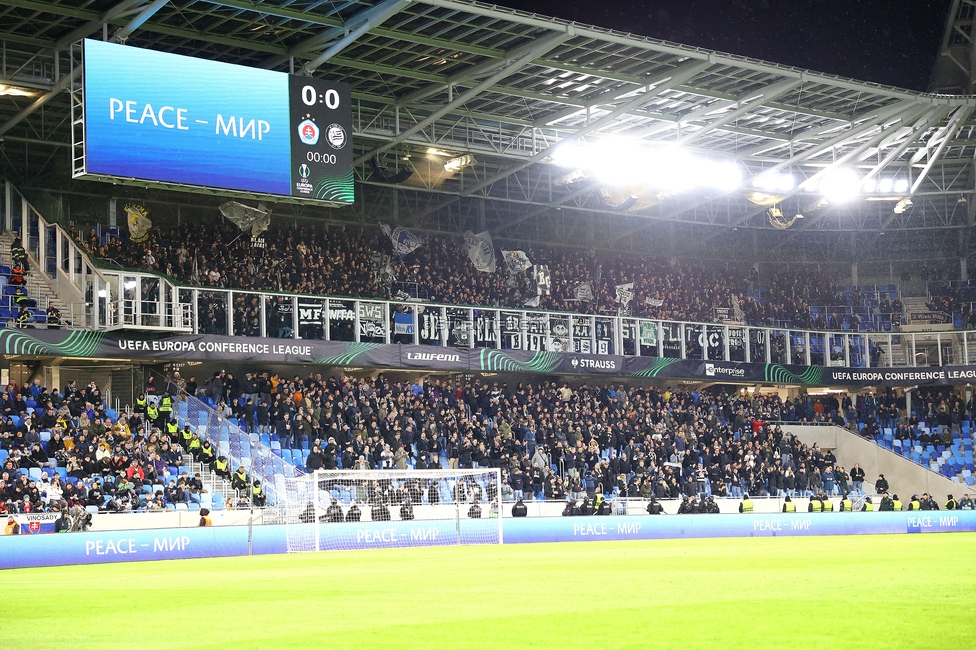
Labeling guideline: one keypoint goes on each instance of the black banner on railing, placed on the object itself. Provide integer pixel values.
(192, 347)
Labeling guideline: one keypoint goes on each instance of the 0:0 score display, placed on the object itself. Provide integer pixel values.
(330, 98)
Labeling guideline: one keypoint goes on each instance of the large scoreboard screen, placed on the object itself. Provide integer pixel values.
(176, 120)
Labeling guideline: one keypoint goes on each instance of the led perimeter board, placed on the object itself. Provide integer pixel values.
(157, 118)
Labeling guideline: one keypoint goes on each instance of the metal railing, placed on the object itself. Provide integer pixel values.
(114, 298)
(240, 448)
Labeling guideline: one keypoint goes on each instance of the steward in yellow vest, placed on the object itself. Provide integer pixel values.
(187, 436)
(868, 505)
(816, 505)
(141, 403)
(789, 506)
(846, 505)
(222, 467)
(896, 505)
(746, 505)
(828, 505)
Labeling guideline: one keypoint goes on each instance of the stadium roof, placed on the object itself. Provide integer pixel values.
(436, 79)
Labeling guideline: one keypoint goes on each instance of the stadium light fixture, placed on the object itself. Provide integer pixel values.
(775, 182)
(840, 185)
(885, 185)
(14, 91)
(902, 206)
(455, 165)
(572, 177)
(900, 186)
(620, 162)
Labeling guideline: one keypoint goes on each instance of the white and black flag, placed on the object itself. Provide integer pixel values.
(625, 293)
(481, 250)
(404, 241)
(516, 261)
(583, 292)
(543, 279)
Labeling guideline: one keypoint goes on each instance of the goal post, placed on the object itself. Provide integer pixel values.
(349, 509)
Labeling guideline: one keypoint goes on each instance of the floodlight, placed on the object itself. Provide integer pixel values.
(901, 186)
(13, 91)
(570, 178)
(884, 185)
(840, 185)
(459, 163)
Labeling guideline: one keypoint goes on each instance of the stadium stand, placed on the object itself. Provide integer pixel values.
(318, 261)
(551, 441)
(937, 434)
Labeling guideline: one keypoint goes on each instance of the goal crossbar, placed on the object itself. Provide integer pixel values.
(349, 509)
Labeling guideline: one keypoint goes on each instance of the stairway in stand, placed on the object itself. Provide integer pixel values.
(219, 492)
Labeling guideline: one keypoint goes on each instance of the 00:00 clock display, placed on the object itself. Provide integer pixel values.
(315, 156)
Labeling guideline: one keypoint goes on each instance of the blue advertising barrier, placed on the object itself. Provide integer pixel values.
(570, 529)
(226, 541)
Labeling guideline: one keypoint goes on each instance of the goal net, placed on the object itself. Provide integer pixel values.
(346, 510)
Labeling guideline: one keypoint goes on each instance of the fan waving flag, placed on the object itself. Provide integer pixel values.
(480, 250)
(516, 261)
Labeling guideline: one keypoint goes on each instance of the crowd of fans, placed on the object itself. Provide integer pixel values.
(550, 440)
(337, 262)
(106, 464)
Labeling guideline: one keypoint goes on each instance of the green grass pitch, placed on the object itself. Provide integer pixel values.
(897, 591)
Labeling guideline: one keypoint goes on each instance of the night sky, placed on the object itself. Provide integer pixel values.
(892, 42)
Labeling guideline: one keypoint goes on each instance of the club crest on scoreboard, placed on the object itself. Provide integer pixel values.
(335, 135)
(309, 132)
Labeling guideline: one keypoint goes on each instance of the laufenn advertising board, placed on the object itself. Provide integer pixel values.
(165, 118)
